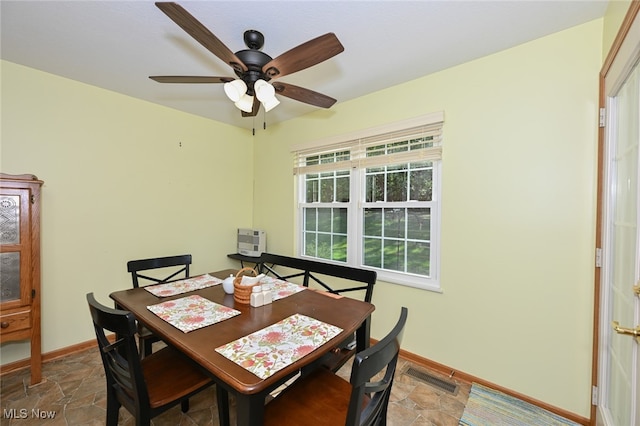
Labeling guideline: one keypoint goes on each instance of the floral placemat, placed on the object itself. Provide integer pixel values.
(192, 312)
(273, 348)
(281, 288)
(183, 286)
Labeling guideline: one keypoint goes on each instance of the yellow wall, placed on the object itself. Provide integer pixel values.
(518, 211)
(118, 186)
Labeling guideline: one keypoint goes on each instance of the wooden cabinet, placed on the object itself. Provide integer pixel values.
(20, 264)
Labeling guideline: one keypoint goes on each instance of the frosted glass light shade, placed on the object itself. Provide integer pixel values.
(264, 91)
(235, 89)
(245, 103)
(270, 104)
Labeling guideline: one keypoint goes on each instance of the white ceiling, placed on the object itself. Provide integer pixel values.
(116, 45)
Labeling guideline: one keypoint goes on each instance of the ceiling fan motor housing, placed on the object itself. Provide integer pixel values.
(254, 60)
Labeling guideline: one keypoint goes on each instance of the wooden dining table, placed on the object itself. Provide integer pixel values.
(350, 315)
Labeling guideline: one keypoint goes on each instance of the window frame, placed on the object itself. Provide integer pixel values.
(356, 205)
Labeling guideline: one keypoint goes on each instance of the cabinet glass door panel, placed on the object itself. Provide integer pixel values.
(9, 219)
(10, 277)
(15, 260)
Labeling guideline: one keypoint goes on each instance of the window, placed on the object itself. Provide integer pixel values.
(372, 200)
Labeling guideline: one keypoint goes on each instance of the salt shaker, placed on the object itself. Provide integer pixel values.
(257, 299)
(267, 294)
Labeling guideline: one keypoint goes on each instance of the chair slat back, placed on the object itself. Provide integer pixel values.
(368, 388)
(121, 359)
(181, 261)
(311, 269)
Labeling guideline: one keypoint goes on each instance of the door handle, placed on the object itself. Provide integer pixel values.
(623, 330)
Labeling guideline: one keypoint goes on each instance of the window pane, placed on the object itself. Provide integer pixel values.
(324, 246)
(326, 233)
(393, 255)
(326, 190)
(373, 222)
(398, 147)
(373, 151)
(419, 224)
(421, 185)
(311, 195)
(375, 187)
(310, 244)
(421, 165)
(397, 186)
(310, 219)
(394, 223)
(343, 155)
(340, 248)
(342, 189)
(418, 258)
(324, 220)
(397, 167)
(340, 221)
(327, 158)
(373, 252)
(404, 245)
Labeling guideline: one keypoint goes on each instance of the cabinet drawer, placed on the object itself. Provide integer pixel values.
(10, 322)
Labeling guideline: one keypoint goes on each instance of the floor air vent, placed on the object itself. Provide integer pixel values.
(442, 384)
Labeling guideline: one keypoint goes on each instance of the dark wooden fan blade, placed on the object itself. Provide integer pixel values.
(304, 56)
(303, 95)
(201, 34)
(189, 79)
(254, 110)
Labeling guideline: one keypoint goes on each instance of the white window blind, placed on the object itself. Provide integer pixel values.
(421, 142)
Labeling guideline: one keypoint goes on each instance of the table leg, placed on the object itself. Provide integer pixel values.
(222, 397)
(363, 335)
(250, 409)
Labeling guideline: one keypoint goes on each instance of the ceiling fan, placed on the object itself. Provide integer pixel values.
(255, 69)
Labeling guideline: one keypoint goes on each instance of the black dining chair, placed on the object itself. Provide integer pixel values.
(172, 267)
(147, 387)
(324, 398)
(175, 267)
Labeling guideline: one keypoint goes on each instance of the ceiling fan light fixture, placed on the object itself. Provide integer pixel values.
(264, 91)
(245, 103)
(270, 103)
(254, 68)
(235, 89)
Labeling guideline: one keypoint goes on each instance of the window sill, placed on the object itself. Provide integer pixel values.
(409, 280)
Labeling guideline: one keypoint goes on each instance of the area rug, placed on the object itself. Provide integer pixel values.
(488, 407)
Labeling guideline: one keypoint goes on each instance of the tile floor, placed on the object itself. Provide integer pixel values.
(74, 394)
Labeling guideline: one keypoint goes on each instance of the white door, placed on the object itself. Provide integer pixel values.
(619, 353)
